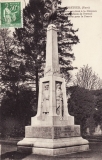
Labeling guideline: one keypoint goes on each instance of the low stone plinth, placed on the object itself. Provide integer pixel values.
(52, 132)
(53, 147)
(54, 152)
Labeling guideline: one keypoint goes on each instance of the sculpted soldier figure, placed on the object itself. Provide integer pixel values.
(45, 107)
(59, 99)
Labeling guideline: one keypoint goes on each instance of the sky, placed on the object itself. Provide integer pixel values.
(89, 50)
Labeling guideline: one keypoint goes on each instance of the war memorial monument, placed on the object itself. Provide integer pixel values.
(52, 131)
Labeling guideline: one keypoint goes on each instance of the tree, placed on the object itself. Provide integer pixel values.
(81, 105)
(32, 38)
(12, 78)
(12, 70)
(98, 108)
(11, 62)
(16, 111)
(90, 123)
(87, 79)
(6, 43)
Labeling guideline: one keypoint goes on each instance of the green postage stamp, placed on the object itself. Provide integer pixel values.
(11, 14)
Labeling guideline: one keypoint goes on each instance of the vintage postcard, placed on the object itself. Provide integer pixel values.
(45, 115)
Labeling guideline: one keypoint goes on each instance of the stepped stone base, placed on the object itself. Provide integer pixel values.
(53, 147)
(53, 140)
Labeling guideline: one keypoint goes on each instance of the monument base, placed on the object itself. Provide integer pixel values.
(53, 147)
(53, 140)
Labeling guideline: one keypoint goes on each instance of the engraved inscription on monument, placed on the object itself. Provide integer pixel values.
(68, 131)
(38, 132)
(62, 132)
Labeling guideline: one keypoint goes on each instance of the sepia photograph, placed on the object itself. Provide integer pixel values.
(50, 79)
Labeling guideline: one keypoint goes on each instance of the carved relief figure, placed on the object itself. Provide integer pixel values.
(59, 99)
(45, 104)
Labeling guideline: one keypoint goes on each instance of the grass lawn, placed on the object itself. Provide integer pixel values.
(9, 152)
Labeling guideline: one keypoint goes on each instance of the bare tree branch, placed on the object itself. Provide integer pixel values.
(88, 79)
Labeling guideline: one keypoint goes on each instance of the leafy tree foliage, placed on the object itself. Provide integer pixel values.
(4, 56)
(12, 67)
(16, 109)
(14, 102)
(90, 123)
(81, 106)
(86, 107)
(87, 79)
(98, 107)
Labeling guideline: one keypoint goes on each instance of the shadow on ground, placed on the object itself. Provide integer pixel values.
(13, 156)
(19, 156)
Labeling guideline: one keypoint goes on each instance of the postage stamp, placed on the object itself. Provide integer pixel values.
(11, 14)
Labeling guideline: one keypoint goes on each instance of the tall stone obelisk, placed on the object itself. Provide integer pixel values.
(52, 131)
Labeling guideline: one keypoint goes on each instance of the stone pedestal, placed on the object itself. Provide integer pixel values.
(52, 131)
